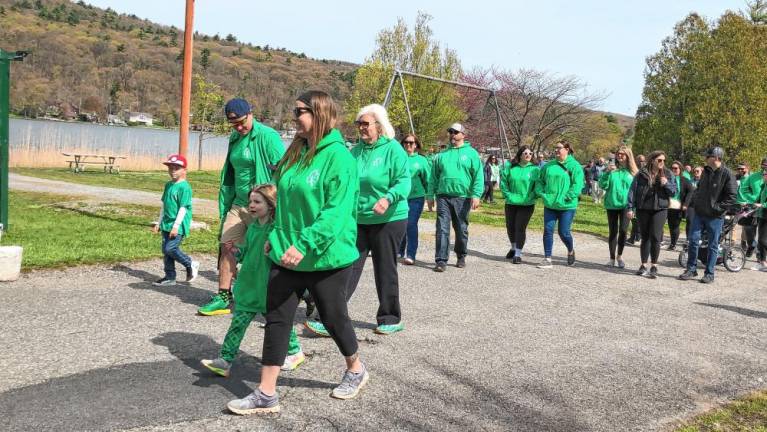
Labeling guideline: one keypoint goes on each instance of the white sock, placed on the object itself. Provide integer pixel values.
(518, 252)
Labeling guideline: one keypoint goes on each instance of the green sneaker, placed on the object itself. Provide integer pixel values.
(317, 328)
(218, 366)
(219, 304)
(385, 329)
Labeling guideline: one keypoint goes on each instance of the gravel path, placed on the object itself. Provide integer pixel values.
(202, 207)
(494, 346)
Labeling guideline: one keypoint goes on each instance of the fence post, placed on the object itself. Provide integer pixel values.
(5, 89)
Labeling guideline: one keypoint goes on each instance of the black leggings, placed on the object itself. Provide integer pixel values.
(383, 240)
(651, 224)
(675, 217)
(762, 236)
(617, 225)
(517, 218)
(285, 289)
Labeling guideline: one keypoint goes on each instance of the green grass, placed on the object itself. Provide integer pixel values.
(205, 184)
(590, 218)
(748, 414)
(58, 231)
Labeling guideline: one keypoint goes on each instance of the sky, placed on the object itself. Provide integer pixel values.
(604, 43)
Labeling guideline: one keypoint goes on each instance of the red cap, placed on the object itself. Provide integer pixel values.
(176, 159)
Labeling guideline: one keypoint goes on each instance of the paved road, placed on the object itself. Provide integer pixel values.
(492, 347)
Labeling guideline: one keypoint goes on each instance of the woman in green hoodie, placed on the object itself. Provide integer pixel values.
(312, 246)
(559, 185)
(382, 209)
(420, 175)
(518, 187)
(615, 182)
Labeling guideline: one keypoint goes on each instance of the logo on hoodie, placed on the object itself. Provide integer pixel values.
(416, 165)
(464, 158)
(313, 177)
(377, 161)
(246, 152)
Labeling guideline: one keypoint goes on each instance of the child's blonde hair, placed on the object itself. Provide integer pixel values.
(269, 192)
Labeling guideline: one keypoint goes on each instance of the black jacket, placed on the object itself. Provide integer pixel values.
(646, 196)
(687, 191)
(717, 192)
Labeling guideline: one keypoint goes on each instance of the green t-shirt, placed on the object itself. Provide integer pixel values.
(174, 196)
(242, 162)
(250, 287)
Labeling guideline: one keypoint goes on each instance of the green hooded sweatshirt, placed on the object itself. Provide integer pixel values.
(383, 173)
(263, 147)
(518, 183)
(457, 172)
(748, 192)
(616, 185)
(420, 175)
(317, 208)
(560, 184)
(250, 287)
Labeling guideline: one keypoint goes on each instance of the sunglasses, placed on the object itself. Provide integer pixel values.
(527, 153)
(660, 160)
(235, 123)
(408, 142)
(558, 148)
(299, 111)
(364, 123)
(453, 132)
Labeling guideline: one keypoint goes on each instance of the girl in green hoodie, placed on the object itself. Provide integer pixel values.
(518, 186)
(312, 246)
(616, 181)
(559, 185)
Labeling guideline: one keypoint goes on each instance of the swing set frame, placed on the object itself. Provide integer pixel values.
(399, 75)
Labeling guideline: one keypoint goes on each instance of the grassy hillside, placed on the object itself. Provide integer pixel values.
(103, 62)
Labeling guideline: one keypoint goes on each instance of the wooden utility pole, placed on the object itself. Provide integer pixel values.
(186, 80)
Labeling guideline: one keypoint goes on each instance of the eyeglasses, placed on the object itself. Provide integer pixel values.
(408, 142)
(299, 111)
(453, 132)
(364, 124)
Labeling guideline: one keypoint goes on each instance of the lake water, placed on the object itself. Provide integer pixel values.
(39, 137)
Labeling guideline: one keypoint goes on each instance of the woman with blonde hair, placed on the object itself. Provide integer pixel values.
(311, 246)
(616, 182)
(382, 211)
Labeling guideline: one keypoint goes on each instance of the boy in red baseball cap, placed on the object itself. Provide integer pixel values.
(174, 222)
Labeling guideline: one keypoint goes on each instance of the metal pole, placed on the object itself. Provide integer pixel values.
(407, 105)
(5, 90)
(186, 80)
(5, 74)
(387, 99)
(501, 127)
(458, 83)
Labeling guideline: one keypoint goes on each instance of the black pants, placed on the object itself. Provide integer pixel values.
(517, 218)
(762, 237)
(487, 195)
(635, 235)
(675, 217)
(285, 289)
(617, 226)
(651, 224)
(383, 240)
(748, 237)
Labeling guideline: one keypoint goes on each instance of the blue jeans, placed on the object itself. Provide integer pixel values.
(415, 206)
(171, 251)
(713, 226)
(565, 219)
(453, 210)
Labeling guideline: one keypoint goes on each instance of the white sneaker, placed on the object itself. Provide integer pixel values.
(192, 272)
(759, 267)
(293, 361)
(611, 263)
(545, 264)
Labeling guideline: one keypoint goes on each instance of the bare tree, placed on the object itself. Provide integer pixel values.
(538, 107)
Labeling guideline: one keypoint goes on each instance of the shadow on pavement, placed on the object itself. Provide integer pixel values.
(473, 405)
(739, 310)
(188, 294)
(137, 394)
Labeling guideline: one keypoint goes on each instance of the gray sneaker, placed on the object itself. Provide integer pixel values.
(255, 403)
(218, 366)
(545, 264)
(164, 282)
(351, 384)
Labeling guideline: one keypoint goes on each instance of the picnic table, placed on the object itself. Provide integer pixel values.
(79, 161)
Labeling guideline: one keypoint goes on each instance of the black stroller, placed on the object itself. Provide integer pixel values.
(730, 254)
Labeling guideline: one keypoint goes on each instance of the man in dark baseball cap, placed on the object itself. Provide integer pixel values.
(239, 115)
(716, 194)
